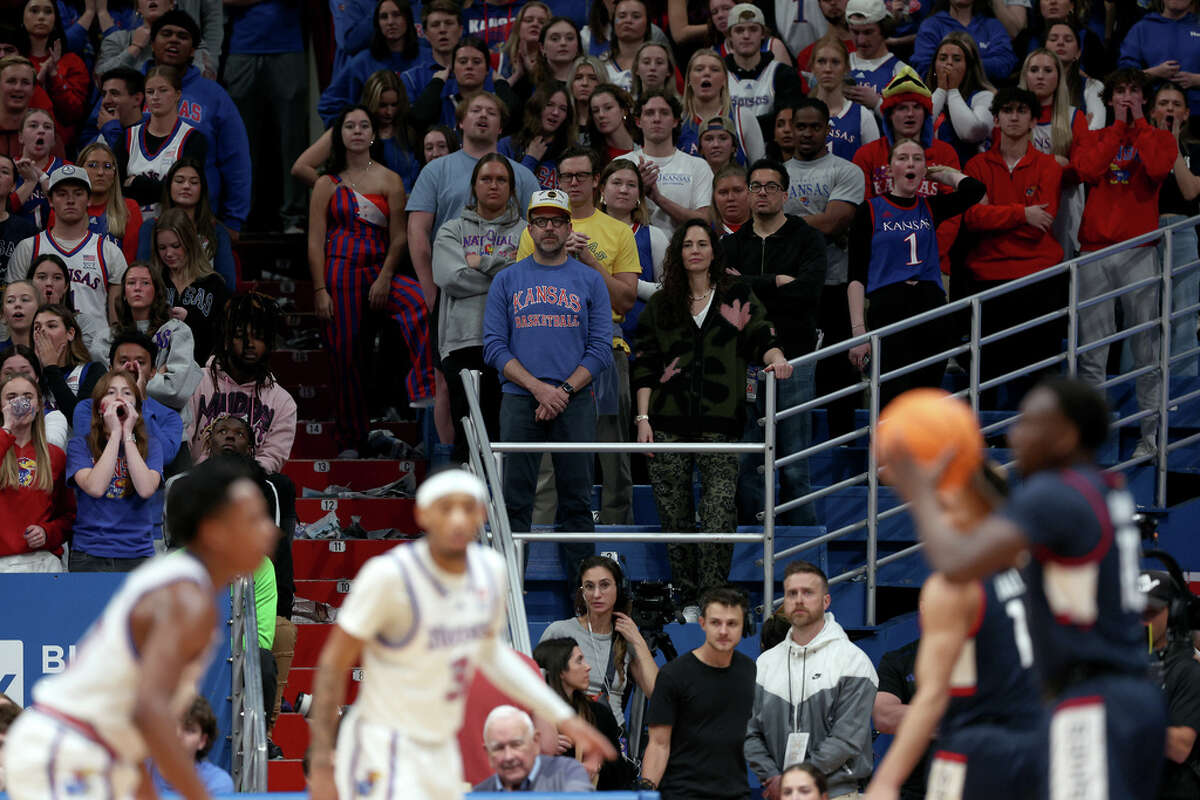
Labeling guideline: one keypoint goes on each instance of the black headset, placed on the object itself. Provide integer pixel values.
(1183, 612)
(612, 565)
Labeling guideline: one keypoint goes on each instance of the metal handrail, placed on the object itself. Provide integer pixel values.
(249, 734)
(877, 339)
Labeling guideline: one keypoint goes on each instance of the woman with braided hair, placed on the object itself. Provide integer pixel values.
(237, 380)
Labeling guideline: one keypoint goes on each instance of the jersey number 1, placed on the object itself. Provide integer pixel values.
(1128, 542)
(1015, 609)
(911, 241)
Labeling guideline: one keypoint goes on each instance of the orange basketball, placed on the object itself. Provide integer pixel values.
(928, 423)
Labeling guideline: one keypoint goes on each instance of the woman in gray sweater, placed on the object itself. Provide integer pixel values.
(467, 254)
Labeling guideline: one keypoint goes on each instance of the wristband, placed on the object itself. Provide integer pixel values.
(130, 438)
(642, 418)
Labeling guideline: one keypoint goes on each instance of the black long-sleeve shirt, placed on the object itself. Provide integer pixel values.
(797, 250)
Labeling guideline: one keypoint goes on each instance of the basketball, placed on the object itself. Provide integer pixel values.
(927, 423)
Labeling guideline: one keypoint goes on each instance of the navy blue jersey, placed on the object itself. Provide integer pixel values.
(903, 244)
(845, 132)
(1084, 604)
(992, 680)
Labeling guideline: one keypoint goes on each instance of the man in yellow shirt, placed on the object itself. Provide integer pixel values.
(607, 246)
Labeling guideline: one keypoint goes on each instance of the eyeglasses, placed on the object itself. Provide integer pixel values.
(770, 187)
(107, 166)
(571, 177)
(549, 222)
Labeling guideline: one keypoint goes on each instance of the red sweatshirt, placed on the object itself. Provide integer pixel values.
(1008, 246)
(25, 506)
(1125, 165)
(872, 159)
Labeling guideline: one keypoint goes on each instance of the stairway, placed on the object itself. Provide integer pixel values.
(324, 568)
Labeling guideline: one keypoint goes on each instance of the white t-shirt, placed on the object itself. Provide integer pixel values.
(683, 179)
(813, 185)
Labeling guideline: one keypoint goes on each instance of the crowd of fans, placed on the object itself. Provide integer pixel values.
(724, 186)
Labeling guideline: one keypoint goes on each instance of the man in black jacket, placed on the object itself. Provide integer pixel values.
(783, 258)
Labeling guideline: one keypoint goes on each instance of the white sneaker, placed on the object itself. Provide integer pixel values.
(1145, 447)
(691, 614)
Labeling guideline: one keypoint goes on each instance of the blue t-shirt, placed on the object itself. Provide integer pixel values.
(1083, 599)
(552, 319)
(267, 27)
(115, 525)
(444, 186)
(215, 780)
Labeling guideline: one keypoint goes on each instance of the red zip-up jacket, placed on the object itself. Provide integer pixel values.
(1125, 164)
(1008, 246)
(25, 506)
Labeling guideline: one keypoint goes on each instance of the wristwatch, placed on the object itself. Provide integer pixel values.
(647, 785)
(568, 388)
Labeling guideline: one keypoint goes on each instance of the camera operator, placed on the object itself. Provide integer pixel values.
(1167, 617)
(611, 643)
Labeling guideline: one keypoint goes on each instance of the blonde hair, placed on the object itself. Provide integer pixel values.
(43, 477)
(829, 41)
(669, 84)
(689, 98)
(1060, 116)
(510, 49)
(114, 204)
(177, 221)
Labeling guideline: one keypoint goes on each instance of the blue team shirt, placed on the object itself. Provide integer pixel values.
(1083, 599)
(845, 133)
(265, 28)
(903, 244)
(115, 525)
(552, 319)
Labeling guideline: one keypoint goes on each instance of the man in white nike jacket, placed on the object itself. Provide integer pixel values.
(814, 695)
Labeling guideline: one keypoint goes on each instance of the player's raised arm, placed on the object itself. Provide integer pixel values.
(172, 628)
(946, 613)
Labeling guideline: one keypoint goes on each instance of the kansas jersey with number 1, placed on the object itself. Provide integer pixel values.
(1084, 604)
(903, 245)
(424, 629)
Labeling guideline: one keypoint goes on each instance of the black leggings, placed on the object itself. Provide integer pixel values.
(489, 396)
(896, 302)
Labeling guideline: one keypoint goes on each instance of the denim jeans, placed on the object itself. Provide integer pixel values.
(572, 471)
(79, 561)
(791, 435)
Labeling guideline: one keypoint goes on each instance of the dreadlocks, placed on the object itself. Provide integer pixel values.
(249, 314)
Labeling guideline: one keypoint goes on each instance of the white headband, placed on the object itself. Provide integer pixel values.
(451, 481)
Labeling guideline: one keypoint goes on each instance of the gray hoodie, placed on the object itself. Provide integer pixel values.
(465, 289)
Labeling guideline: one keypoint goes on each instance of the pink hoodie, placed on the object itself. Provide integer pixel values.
(271, 412)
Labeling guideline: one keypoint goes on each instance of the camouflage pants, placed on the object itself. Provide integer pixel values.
(696, 567)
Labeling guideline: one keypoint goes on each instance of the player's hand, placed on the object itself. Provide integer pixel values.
(320, 783)
(771, 788)
(910, 479)
(591, 746)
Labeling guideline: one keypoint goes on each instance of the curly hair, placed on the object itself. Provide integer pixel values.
(249, 314)
(675, 289)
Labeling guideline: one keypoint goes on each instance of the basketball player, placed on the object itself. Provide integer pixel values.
(422, 617)
(92, 726)
(1105, 721)
(973, 677)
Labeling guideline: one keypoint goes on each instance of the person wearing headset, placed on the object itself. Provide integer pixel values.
(611, 643)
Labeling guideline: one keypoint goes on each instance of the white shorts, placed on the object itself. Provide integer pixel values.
(378, 762)
(45, 757)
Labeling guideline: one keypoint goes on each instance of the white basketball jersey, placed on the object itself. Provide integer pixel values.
(424, 630)
(755, 95)
(155, 163)
(87, 266)
(100, 685)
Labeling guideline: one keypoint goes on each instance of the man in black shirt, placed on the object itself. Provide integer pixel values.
(1180, 684)
(699, 710)
(896, 689)
(783, 259)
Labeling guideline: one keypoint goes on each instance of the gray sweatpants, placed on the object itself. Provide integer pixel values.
(1098, 321)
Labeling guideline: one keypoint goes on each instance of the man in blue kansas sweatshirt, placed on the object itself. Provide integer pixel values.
(547, 330)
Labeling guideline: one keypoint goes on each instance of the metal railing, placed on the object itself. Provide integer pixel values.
(485, 454)
(249, 734)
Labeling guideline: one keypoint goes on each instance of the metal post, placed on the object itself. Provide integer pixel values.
(976, 329)
(1072, 318)
(771, 387)
(873, 481)
(1164, 370)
